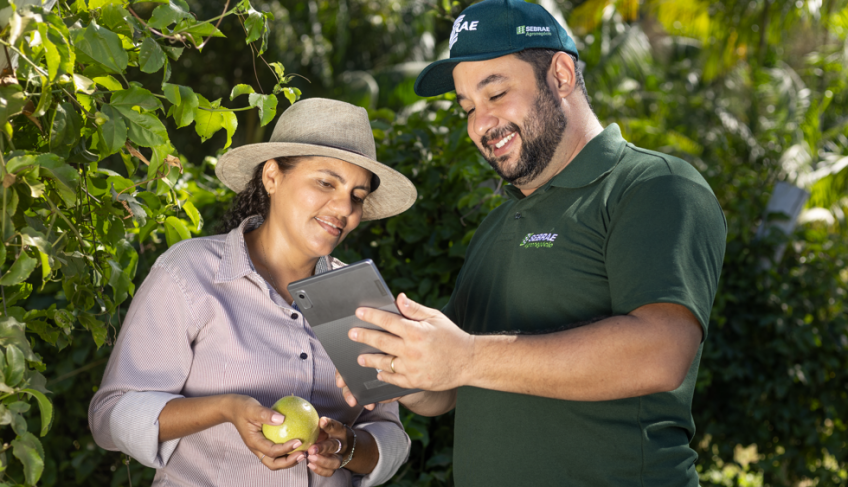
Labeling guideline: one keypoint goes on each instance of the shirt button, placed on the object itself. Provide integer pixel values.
(294, 316)
(518, 215)
(303, 355)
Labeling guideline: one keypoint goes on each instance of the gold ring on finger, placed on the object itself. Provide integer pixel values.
(393, 365)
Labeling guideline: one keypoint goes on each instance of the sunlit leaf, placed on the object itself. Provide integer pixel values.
(241, 89)
(194, 214)
(210, 118)
(20, 270)
(143, 128)
(12, 100)
(165, 15)
(103, 46)
(267, 105)
(175, 230)
(134, 97)
(108, 82)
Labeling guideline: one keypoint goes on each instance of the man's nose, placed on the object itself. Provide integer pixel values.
(484, 121)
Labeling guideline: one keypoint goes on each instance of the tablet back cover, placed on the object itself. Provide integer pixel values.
(329, 302)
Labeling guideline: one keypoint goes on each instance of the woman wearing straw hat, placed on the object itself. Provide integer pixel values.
(212, 337)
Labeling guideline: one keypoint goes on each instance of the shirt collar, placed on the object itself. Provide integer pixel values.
(235, 262)
(594, 161)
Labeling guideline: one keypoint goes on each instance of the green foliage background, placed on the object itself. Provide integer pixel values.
(750, 92)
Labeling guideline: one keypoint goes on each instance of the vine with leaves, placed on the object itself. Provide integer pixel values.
(66, 105)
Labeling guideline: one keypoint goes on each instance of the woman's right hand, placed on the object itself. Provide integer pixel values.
(248, 416)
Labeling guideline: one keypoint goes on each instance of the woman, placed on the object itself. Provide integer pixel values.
(212, 337)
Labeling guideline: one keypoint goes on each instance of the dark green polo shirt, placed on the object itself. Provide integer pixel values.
(618, 228)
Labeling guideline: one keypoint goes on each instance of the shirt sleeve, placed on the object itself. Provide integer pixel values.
(392, 442)
(147, 368)
(666, 245)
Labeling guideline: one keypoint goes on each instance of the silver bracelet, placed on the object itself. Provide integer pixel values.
(352, 448)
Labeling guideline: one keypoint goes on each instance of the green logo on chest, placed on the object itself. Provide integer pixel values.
(538, 240)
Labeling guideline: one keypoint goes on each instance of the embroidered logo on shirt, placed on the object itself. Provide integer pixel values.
(538, 240)
(458, 27)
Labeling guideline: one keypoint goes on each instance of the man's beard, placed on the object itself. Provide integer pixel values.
(541, 136)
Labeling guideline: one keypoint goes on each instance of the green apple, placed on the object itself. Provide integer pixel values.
(301, 422)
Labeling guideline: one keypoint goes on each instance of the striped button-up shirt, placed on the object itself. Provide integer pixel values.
(204, 322)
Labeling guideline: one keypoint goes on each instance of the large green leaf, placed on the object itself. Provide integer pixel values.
(12, 100)
(59, 56)
(12, 332)
(103, 46)
(183, 111)
(20, 270)
(196, 218)
(29, 451)
(210, 118)
(165, 15)
(134, 97)
(15, 365)
(267, 106)
(98, 328)
(113, 132)
(65, 129)
(65, 177)
(144, 129)
(151, 58)
(46, 408)
(240, 89)
(175, 230)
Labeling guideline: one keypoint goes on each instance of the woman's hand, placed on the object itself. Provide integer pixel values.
(350, 400)
(327, 454)
(248, 416)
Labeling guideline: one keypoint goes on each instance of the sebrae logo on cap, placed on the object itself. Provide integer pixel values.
(531, 30)
(458, 27)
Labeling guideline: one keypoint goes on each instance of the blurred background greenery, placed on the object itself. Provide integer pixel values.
(752, 93)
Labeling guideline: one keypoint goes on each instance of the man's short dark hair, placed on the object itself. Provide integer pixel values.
(541, 59)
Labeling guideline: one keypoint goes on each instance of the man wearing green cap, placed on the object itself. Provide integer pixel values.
(570, 345)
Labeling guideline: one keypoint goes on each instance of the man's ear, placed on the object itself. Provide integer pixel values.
(562, 74)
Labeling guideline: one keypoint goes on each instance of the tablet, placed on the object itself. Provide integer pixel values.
(328, 301)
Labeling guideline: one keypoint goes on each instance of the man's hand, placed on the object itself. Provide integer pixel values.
(426, 350)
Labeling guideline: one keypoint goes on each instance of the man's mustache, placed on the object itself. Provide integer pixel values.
(498, 133)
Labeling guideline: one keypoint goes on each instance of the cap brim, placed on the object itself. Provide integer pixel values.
(394, 195)
(437, 78)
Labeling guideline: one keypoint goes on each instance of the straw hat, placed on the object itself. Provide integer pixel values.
(330, 128)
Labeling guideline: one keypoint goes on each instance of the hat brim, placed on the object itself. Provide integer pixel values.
(394, 195)
(437, 78)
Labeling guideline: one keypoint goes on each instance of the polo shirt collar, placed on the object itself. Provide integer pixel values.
(235, 262)
(594, 161)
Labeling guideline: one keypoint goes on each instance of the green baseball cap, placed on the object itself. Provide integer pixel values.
(491, 29)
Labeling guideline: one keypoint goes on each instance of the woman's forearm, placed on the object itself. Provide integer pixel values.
(365, 456)
(189, 415)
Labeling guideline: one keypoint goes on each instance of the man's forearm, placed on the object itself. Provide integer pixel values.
(429, 403)
(622, 356)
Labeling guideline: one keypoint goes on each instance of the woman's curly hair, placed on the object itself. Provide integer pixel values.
(253, 199)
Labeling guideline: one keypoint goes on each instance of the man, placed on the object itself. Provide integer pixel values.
(571, 343)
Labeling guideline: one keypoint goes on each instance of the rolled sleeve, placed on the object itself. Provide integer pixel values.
(123, 414)
(392, 441)
(135, 427)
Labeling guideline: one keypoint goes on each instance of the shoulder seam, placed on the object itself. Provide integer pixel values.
(183, 290)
